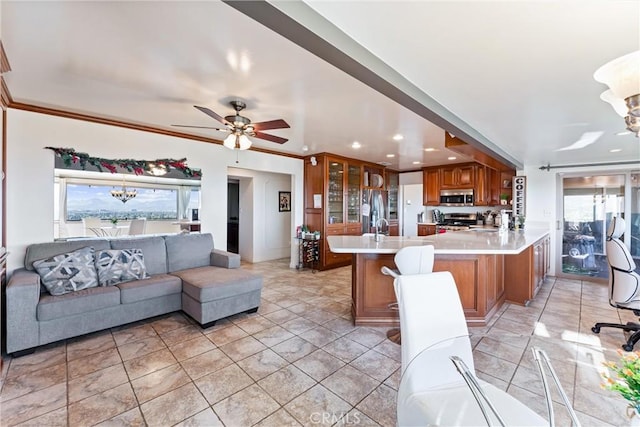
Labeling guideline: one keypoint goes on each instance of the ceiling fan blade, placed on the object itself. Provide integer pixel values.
(271, 138)
(210, 113)
(201, 127)
(272, 124)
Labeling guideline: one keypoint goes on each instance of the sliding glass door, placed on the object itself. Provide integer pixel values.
(589, 203)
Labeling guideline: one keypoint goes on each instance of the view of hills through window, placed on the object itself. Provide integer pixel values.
(151, 203)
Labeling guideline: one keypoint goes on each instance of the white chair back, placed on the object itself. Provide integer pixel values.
(430, 312)
(624, 282)
(137, 226)
(92, 226)
(415, 259)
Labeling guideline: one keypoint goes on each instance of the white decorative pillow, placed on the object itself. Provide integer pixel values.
(120, 265)
(68, 272)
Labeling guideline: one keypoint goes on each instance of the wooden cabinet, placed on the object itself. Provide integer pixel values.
(458, 176)
(506, 179)
(426, 229)
(493, 181)
(392, 181)
(488, 184)
(478, 278)
(525, 272)
(481, 193)
(431, 186)
(338, 184)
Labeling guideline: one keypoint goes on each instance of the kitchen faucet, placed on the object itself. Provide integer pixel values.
(377, 226)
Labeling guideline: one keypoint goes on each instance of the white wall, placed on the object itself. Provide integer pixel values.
(270, 236)
(30, 172)
(411, 178)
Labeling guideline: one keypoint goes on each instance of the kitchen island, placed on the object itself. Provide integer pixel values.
(490, 267)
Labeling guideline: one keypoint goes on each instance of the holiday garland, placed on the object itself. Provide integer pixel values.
(70, 156)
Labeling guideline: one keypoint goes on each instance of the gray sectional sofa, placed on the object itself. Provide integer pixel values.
(185, 273)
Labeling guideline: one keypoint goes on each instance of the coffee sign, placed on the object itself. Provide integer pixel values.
(519, 195)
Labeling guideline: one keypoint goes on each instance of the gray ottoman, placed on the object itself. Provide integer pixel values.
(210, 293)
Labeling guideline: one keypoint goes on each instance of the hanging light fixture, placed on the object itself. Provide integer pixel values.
(622, 75)
(237, 141)
(124, 195)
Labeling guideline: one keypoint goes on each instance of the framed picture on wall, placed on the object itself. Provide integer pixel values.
(284, 201)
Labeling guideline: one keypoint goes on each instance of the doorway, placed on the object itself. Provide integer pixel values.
(233, 215)
(588, 205)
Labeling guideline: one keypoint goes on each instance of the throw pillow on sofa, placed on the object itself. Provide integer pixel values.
(120, 265)
(68, 272)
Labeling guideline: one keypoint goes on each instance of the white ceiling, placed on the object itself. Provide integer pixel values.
(518, 73)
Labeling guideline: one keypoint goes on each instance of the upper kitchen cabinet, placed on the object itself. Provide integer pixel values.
(431, 186)
(461, 176)
(481, 194)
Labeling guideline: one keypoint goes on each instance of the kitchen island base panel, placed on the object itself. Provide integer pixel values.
(479, 278)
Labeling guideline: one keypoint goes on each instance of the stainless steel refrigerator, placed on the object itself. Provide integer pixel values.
(374, 206)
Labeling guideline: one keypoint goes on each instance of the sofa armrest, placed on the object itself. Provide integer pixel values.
(220, 258)
(22, 296)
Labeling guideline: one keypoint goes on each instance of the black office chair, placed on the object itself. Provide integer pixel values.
(624, 282)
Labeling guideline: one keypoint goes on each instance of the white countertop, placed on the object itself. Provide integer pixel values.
(474, 241)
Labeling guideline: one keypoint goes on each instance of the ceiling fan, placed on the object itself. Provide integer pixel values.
(241, 128)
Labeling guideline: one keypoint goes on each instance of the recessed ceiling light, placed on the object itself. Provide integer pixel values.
(429, 149)
(416, 163)
(451, 158)
(615, 150)
(398, 137)
(391, 155)
(356, 145)
(305, 148)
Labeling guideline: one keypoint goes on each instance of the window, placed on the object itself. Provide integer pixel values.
(91, 200)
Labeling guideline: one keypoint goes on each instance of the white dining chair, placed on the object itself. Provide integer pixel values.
(137, 226)
(433, 391)
(92, 226)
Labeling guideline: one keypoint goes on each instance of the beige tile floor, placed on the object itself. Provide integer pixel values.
(300, 361)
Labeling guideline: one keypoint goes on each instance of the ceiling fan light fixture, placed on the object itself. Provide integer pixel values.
(622, 75)
(230, 141)
(243, 143)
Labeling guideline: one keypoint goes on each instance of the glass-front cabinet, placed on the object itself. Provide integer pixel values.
(353, 193)
(335, 199)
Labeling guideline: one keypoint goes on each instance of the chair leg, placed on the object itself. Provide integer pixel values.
(629, 327)
(633, 339)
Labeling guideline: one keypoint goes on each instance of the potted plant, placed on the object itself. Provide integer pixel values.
(114, 221)
(627, 382)
(504, 198)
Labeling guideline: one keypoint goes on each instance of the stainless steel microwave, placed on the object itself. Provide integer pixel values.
(456, 197)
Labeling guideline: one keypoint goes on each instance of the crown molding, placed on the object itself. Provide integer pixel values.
(128, 125)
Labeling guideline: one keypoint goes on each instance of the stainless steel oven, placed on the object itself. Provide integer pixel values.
(456, 197)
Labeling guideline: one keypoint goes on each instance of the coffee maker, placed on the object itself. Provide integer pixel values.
(437, 216)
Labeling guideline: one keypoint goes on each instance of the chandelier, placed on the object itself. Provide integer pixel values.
(124, 195)
(622, 75)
